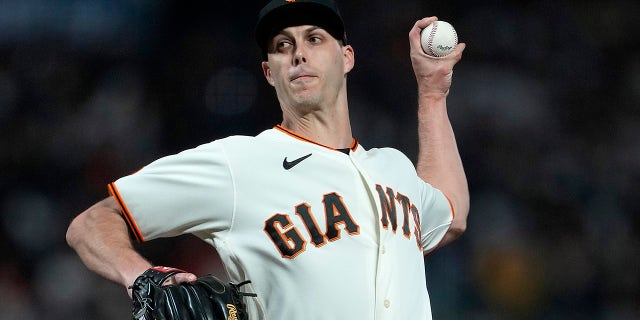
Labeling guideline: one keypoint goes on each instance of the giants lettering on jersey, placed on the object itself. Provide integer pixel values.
(289, 240)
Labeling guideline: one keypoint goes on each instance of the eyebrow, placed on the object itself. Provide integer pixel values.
(289, 34)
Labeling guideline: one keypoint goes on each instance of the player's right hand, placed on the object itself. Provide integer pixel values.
(174, 279)
(180, 278)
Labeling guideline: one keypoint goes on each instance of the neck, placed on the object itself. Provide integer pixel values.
(328, 125)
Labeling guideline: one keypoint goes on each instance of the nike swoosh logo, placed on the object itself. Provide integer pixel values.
(290, 164)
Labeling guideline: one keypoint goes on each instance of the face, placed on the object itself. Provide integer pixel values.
(307, 67)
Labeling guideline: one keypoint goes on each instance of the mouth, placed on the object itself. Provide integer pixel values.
(302, 76)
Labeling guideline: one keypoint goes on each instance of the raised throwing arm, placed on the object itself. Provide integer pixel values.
(439, 161)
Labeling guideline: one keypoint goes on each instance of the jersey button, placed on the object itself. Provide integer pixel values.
(383, 249)
(387, 303)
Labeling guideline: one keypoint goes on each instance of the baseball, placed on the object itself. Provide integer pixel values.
(439, 39)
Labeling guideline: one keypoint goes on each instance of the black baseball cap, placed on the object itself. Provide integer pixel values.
(280, 14)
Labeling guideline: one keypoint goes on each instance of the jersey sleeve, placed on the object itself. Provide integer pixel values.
(189, 192)
(436, 216)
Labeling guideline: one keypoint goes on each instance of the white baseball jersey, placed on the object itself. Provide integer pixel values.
(321, 233)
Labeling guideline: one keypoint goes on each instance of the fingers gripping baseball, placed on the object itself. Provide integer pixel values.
(433, 74)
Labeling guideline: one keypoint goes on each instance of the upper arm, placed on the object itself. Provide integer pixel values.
(110, 204)
(100, 237)
(103, 214)
(189, 192)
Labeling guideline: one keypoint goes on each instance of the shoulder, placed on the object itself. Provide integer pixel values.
(388, 154)
(237, 141)
(238, 148)
(266, 135)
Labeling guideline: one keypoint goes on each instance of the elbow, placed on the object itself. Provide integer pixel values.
(459, 224)
(460, 207)
(86, 224)
(74, 231)
(81, 226)
(457, 228)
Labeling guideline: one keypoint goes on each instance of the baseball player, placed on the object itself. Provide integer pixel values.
(323, 227)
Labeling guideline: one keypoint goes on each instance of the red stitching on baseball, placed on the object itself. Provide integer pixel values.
(432, 34)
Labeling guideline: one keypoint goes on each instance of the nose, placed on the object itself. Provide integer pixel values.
(299, 56)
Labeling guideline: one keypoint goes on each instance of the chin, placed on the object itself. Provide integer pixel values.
(306, 98)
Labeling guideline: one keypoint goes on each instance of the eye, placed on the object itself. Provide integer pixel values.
(315, 39)
(283, 44)
(280, 43)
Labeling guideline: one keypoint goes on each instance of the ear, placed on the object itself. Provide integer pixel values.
(266, 71)
(349, 58)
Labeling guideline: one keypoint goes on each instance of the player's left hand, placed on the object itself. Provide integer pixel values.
(434, 74)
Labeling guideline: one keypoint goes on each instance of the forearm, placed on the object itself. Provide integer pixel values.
(101, 239)
(439, 161)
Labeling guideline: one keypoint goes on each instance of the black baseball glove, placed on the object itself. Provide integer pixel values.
(207, 298)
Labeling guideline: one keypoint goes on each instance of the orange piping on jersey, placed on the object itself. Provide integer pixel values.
(453, 212)
(453, 215)
(354, 144)
(125, 213)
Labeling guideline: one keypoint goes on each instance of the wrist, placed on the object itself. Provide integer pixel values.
(432, 96)
(129, 276)
(432, 102)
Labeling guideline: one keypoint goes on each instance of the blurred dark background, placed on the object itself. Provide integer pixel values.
(545, 104)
